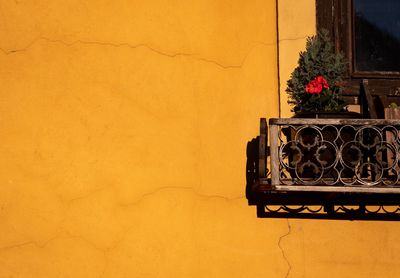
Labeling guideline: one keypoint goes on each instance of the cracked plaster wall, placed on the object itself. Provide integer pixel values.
(123, 133)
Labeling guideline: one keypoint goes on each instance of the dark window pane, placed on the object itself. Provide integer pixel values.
(377, 35)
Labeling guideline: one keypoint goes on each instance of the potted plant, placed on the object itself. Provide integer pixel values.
(314, 86)
(314, 90)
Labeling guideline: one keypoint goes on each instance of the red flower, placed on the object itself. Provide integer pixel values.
(316, 85)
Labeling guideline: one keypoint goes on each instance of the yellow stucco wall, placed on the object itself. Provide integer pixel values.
(123, 134)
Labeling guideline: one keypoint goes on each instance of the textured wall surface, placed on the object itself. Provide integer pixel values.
(294, 28)
(123, 135)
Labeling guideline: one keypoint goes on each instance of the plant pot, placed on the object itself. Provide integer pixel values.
(328, 115)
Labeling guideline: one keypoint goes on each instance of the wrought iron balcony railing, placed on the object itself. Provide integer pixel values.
(326, 168)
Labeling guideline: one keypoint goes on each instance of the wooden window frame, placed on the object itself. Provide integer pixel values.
(337, 17)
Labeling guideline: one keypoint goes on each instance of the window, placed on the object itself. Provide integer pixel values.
(376, 36)
(368, 33)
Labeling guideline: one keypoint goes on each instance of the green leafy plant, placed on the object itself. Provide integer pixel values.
(314, 85)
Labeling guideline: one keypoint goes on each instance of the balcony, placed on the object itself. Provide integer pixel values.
(325, 169)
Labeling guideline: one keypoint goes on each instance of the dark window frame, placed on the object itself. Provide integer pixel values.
(337, 17)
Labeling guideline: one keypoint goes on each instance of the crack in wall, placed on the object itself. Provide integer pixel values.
(106, 250)
(282, 250)
(293, 39)
(145, 195)
(151, 193)
(148, 194)
(87, 195)
(36, 244)
(27, 243)
(134, 46)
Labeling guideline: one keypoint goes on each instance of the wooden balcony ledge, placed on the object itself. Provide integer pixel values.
(325, 169)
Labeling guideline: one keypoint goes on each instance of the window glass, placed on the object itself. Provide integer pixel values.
(377, 35)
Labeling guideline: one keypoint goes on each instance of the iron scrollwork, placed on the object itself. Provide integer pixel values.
(339, 155)
(326, 169)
